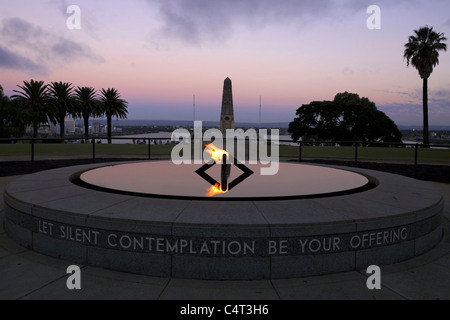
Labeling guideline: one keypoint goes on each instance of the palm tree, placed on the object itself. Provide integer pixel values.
(62, 102)
(4, 115)
(422, 51)
(35, 99)
(87, 106)
(112, 106)
(4, 100)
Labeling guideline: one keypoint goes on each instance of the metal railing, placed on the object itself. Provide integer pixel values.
(91, 140)
(357, 145)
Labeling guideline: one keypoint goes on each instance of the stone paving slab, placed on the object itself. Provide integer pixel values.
(22, 274)
(182, 289)
(163, 237)
(101, 284)
(341, 286)
(424, 283)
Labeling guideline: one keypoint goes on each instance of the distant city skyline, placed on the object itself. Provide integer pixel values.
(160, 53)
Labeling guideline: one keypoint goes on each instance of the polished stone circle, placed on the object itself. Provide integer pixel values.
(163, 179)
(248, 239)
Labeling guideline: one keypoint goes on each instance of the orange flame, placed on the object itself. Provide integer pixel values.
(216, 153)
(217, 156)
(215, 190)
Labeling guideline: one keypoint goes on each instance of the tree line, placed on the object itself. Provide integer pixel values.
(36, 103)
(349, 117)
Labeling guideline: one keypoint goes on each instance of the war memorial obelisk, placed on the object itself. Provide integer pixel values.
(227, 113)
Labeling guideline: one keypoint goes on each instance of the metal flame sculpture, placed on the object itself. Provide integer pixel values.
(222, 156)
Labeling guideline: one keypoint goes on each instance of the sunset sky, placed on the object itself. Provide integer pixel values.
(159, 53)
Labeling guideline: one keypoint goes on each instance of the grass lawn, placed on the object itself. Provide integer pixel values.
(404, 155)
(83, 149)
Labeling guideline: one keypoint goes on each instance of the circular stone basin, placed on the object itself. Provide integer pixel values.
(167, 180)
(306, 220)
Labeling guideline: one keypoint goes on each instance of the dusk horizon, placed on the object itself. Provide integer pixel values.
(160, 54)
(236, 157)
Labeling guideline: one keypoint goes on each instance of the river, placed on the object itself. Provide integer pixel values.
(140, 138)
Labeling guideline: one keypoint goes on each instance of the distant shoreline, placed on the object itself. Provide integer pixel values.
(189, 123)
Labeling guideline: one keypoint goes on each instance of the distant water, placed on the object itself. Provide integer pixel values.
(128, 139)
(141, 138)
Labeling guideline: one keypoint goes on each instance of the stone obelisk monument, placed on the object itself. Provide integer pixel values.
(227, 114)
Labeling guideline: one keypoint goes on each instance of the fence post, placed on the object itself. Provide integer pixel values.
(149, 149)
(32, 150)
(93, 150)
(416, 161)
(300, 145)
(356, 153)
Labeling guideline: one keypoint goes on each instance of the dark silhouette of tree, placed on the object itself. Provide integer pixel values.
(422, 52)
(5, 116)
(112, 106)
(35, 100)
(347, 118)
(63, 103)
(87, 106)
(12, 119)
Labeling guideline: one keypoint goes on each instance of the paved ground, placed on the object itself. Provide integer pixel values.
(25, 274)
